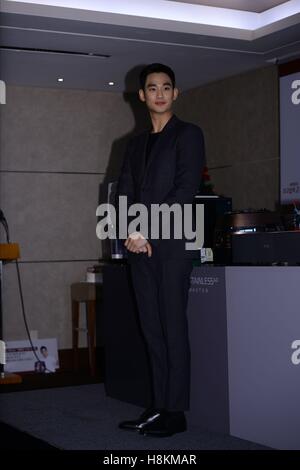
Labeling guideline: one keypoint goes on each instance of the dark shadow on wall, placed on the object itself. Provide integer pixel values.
(141, 122)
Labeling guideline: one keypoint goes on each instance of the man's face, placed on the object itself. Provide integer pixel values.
(159, 93)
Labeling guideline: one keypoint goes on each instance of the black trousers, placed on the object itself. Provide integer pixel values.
(161, 290)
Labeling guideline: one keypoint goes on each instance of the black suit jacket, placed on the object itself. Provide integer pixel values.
(172, 174)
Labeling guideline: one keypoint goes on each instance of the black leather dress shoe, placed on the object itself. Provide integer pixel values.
(146, 417)
(167, 424)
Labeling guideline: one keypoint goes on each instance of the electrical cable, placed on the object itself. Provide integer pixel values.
(5, 225)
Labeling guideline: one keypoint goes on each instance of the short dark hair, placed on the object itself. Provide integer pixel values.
(156, 68)
(43, 348)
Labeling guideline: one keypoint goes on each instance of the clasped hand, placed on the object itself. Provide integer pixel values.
(137, 243)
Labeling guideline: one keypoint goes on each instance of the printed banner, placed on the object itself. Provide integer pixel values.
(289, 138)
(21, 358)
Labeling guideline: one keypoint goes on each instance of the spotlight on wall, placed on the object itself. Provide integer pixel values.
(111, 83)
(60, 79)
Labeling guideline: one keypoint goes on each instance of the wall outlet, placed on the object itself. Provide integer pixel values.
(34, 334)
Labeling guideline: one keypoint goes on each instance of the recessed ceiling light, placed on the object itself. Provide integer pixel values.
(60, 79)
(111, 83)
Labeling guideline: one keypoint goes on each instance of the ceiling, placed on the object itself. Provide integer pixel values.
(89, 48)
(248, 5)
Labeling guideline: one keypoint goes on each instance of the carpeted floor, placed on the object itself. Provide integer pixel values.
(84, 418)
(14, 439)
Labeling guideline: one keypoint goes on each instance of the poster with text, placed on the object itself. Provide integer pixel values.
(290, 138)
(20, 356)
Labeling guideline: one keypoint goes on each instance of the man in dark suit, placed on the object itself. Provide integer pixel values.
(162, 165)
